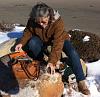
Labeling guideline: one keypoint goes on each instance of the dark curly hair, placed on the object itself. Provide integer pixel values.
(89, 51)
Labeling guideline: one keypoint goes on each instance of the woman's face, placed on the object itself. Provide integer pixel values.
(43, 21)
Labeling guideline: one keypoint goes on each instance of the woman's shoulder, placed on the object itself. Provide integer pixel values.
(59, 22)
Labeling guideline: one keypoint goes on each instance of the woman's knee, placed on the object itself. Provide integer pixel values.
(70, 50)
(35, 42)
(68, 46)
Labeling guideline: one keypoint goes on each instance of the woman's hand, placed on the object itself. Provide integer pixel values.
(50, 68)
(18, 47)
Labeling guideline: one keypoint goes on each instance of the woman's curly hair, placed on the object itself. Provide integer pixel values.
(41, 10)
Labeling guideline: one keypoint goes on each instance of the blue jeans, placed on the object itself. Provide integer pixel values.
(74, 59)
(36, 46)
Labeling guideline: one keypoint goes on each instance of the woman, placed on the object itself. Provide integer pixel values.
(46, 27)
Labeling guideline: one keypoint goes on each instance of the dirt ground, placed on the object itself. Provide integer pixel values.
(77, 14)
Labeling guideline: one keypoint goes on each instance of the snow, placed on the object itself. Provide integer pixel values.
(34, 92)
(93, 86)
(86, 38)
(93, 68)
(93, 78)
(16, 33)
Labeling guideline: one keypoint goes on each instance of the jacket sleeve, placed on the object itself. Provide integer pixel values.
(27, 34)
(59, 37)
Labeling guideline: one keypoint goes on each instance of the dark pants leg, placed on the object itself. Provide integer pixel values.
(35, 45)
(74, 60)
